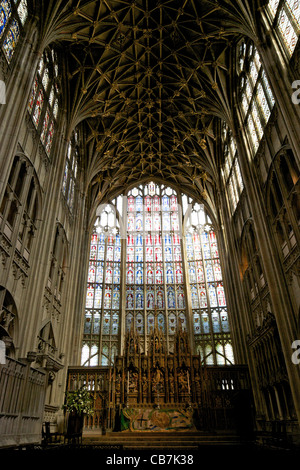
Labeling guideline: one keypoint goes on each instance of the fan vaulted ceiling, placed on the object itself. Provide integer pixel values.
(147, 79)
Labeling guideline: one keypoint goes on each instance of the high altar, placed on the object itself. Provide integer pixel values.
(160, 391)
(165, 391)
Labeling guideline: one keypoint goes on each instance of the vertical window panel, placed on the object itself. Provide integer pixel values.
(208, 301)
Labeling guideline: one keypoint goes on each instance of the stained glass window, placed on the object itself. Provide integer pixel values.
(43, 101)
(154, 257)
(286, 15)
(159, 277)
(208, 300)
(70, 174)
(102, 305)
(231, 169)
(256, 96)
(13, 16)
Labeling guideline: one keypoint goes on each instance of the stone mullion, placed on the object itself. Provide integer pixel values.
(212, 340)
(186, 279)
(101, 340)
(123, 279)
(27, 213)
(164, 276)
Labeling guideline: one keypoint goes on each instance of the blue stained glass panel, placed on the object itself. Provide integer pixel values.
(107, 297)
(115, 324)
(139, 254)
(96, 323)
(197, 329)
(170, 274)
(139, 275)
(160, 299)
(194, 296)
(11, 40)
(150, 298)
(212, 296)
(215, 321)
(172, 323)
(139, 240)
(139, 223)
(205, 323)
(165, 203)
(171, 297)
(150, 321)
(180, 298)
(129, 298)
(168, 253)
(139, 323)
(5, 12)
(161, 322)
(87, 323)
(209, 271)
(130, 275)
(139, 300)
(129, 320)
(98, 296)
(203, 298)
(158, 276)
(117, 253)
(139, 203)
(224, 321)
(116, 298)
(106, 324)
(182, 320)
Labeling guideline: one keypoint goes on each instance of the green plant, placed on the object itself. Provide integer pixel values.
(80, 401)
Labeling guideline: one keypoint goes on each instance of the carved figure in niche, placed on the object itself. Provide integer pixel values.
(133, 382)
(156, 345)
(197, 382)
(171, 383)
(158, 379)
(118, 382)
(144, 383)
(182, 381)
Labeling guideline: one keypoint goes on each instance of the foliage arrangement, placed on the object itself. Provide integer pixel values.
(80, 401)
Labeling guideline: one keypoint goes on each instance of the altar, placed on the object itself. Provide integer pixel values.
(157, 419)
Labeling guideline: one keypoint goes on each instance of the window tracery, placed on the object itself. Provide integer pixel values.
(208, 300)
(286, 17)
(44, 98)
(154, 252)
(13, 16)
(231, 169)
(103, 297)
(20, 204)
(256, 96)
(71, 170)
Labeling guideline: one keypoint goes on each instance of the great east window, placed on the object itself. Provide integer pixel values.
(154, 253)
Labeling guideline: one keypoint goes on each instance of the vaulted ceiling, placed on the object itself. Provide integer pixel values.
(147, 81)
